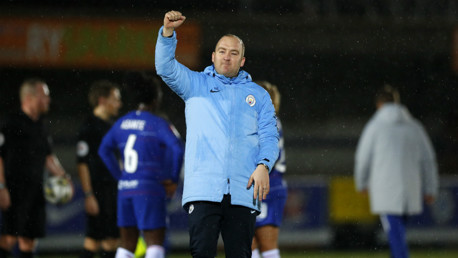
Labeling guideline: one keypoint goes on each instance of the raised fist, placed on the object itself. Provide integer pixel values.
(172, 20)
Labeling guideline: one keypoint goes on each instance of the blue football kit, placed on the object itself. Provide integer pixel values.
(150, 151)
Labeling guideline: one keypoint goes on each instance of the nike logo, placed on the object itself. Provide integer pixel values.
(214, 90)
(252, 211)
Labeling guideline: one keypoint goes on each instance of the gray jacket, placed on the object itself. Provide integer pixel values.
(395, 162)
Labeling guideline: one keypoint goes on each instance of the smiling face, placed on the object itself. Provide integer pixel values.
(228, 56)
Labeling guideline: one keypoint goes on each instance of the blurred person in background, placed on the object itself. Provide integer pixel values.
(99, 187)
(395, 164)
(231, 143)
(25, 147)
(152, 156)
(265, 241)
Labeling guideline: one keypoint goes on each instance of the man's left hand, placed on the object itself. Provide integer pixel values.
(260, 178)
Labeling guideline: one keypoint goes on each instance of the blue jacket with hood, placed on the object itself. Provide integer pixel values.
(231, 127)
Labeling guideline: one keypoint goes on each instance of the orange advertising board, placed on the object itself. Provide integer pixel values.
(90, 43)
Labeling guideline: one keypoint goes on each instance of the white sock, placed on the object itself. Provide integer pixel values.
(274, 253)
(255, 253)
(155, 251)
(123, 253)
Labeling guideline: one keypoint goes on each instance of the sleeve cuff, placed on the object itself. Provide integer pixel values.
(174, 35)
(266, 166)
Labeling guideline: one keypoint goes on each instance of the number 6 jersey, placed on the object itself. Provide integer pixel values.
(141, 150)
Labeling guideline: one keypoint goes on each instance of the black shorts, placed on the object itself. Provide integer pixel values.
(208, 219)
(26, 216)
(103, 225)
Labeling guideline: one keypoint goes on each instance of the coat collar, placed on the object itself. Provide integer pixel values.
(241, 78)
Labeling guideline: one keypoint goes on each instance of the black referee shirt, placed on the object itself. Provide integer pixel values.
(26, 144)
(89, 138)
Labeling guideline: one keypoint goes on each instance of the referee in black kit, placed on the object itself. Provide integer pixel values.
(26, 150)
(99, 186)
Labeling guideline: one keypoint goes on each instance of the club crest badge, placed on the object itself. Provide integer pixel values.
(191, 208)
(82, 148)
(250, 100)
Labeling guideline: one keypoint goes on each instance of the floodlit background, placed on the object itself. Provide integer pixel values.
(326, 57)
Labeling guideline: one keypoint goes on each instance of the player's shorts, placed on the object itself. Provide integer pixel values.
(272, 209)
(146, 212)
(103, 225)
(26, 216)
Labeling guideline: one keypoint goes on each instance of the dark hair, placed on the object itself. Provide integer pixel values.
(101, 88)
(387, 94)
(143, 88)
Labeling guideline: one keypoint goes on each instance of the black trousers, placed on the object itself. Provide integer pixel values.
(208, 219)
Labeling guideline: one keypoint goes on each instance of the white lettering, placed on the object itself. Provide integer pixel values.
(133, 125)
(127, 184)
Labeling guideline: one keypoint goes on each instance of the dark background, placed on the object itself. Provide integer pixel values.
(326, 57)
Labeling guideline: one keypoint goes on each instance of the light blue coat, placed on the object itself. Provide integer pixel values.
(395, 161)
(231, 127)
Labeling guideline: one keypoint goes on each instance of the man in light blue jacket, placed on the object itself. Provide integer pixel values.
(231, 142)
(396, 164)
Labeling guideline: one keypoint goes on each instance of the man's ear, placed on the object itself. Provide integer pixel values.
(213, 57)
(242, 63)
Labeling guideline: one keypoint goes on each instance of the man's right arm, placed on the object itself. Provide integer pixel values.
(172, 20)
(175, 75)
(363, 157)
